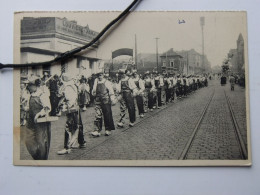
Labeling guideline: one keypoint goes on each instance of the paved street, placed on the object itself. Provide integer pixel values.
(164, 134)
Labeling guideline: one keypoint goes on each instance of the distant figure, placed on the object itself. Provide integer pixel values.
(223, 80)
(232, 82)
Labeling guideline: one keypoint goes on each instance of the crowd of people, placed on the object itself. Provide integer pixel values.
(44, 99)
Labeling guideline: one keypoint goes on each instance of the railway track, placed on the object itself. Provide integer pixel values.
(241, 144)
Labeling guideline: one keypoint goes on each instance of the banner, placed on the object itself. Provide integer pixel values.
(123, 51)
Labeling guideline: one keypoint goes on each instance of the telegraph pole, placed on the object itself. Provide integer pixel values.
(157, 63)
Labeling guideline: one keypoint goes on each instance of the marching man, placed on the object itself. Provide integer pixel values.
(139, 95)
(104, 96)
(185, 85)
(74, 137)
(149, 88)
(159, 83)
(84, 97)
(167, 84)
(127, 89)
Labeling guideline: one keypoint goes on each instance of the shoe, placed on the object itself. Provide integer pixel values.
(145, 111)
(59, 114)
(120, 125)
(131, 124)
(151, 110)
(95, 134)
(83, 145)
(64, 151)
(84, 108)
(154, 107)
(141, 115)
(108, 133)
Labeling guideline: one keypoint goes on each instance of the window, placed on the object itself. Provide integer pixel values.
(171, 63)
(35, 71)
(78, 62)
(164, 64)
(46, 69)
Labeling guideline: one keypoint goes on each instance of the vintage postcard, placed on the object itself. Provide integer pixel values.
(160, 89)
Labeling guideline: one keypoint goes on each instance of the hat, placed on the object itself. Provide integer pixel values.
(134, 71)
(66, 77)
(147, 72)
(121, 71)
(33, 79)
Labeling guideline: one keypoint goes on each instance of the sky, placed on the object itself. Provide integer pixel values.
(221, 31)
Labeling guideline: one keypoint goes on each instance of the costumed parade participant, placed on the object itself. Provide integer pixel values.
(149, 88)
(24, 103)
(185, 85)
(104, 96)
(179, 86)
(172, 86)
(159, 83)
(74, 137)
(84, 97)
(127, 89)
(54, 94)
(167, 85)
(139, 94)
(38, 134)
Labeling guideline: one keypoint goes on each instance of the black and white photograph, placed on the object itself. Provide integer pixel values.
(160, 89)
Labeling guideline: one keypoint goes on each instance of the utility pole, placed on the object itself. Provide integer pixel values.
(135, 53)
(157, 63)
(202, 23)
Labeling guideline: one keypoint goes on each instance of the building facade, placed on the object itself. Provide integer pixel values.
(44, 38)
(240, 54)
(172, 62)
(195, 62)
(236, 57)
